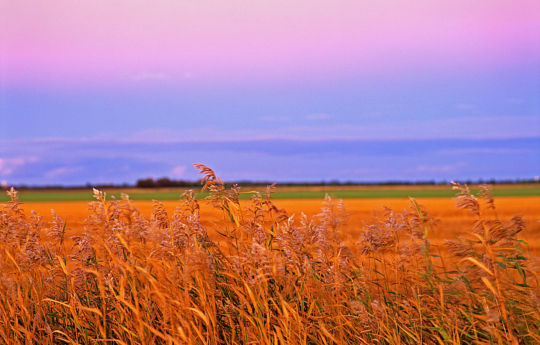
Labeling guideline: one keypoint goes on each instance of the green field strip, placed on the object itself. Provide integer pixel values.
(32, 196)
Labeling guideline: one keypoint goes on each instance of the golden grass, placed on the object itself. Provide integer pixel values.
(263, 276)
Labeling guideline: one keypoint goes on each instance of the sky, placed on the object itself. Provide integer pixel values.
(109, 91)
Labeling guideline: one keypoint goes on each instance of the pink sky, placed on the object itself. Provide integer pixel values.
(127, 41)
(363, 72)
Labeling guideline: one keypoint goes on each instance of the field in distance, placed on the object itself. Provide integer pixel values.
(364, 204)
(311, 192)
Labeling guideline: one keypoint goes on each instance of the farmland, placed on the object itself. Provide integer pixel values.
(451, 221)
(339, 192)
(288, 267)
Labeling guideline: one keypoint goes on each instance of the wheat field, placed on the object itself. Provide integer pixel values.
(255, 273)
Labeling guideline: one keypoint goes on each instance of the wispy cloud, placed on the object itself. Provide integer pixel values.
(440, 168)
(179, 171)
(465, 106)
(151, 76)
(62, 172)
(10, 165)
(79, 161)
(272, 118)
(463, 127)
(319, 116)
(515, 100)
(491, 151)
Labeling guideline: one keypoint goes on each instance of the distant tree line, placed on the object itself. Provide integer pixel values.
(165, 182)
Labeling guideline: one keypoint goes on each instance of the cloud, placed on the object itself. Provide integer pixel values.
(9, 165)
(151, 76)
(62, 172)
(490, 150)
(178, 171)
(275, 118)
(463, 127)
(319, 116)
(444, 168)
(77, 162)
(371, 115)
(153, 134)
(198, 134)
(465, 106)
(515, 100)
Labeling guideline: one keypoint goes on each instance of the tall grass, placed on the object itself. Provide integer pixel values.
(270, 277)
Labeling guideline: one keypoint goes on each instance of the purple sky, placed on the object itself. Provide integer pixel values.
(79, 80)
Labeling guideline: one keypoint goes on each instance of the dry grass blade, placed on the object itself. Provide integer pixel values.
(209, 176)
(272, 278)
